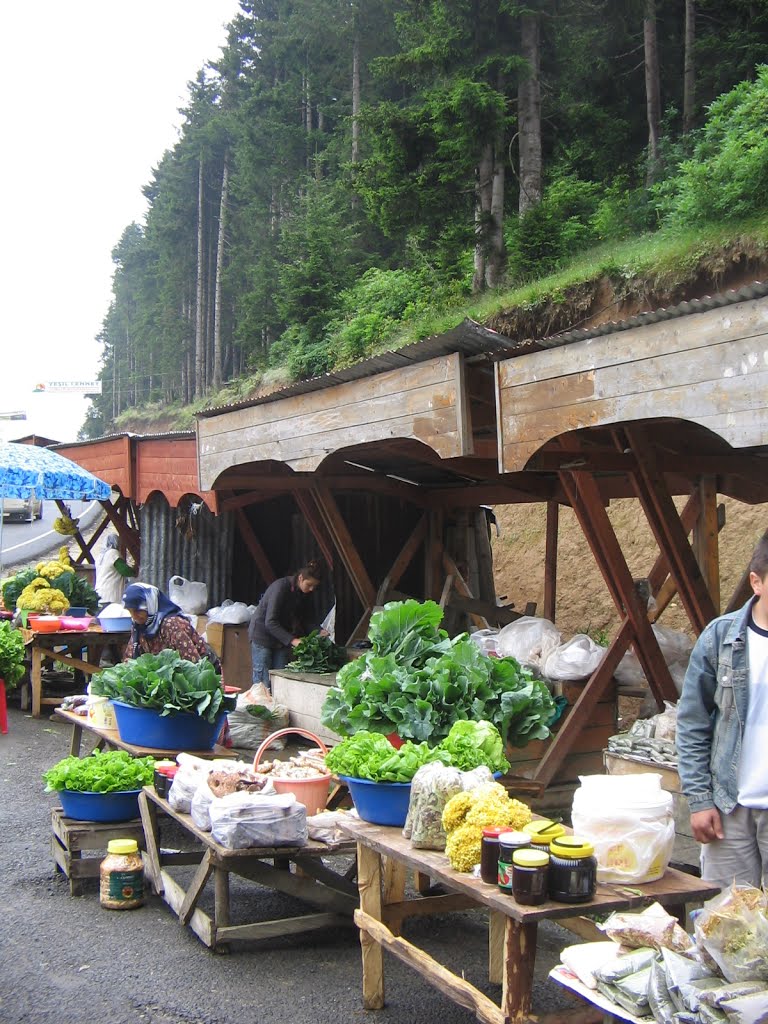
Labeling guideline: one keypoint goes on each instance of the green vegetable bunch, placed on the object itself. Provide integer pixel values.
(417, 682)
(167, 683)
(315, 653)
(369, 755)
(472, 744)
(11, 655)
(111, 771)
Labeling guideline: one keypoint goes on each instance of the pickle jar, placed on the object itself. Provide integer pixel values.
(489, 854)
(530, 871)
(572, 870)
(121, 876)
(542, 831)
(508, 843)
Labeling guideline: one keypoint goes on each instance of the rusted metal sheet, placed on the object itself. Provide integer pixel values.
(205, 555)
(709, 368)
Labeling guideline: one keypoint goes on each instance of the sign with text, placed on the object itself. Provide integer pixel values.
(71, 387)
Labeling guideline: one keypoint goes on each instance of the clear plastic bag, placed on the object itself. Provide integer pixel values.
(686, 979)
(576, 659)
(485, 640)
(192, 771)
(659, 1000)
(325, 827)
(234, 613)
(732, 930)
(630, 992)
(432, 787)
(624, 965)
(245, 820)
(665, 724)
(529, 640)
(750, 1009)
(190, 596)
(652, 927)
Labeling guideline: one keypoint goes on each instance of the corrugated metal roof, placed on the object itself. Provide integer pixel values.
(183, 435)
(471, 339)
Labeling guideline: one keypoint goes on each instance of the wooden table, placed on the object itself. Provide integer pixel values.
(73, 644)
(312, 881)
(512, 928)
(110, 738)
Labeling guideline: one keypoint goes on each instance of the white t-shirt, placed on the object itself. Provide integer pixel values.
(753, 767)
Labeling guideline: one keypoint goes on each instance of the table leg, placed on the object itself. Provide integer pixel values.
(220, 906)
(369, 884)
(77, 737)
(394, 889)
(519, 961)
(496, 921)
(148, 812)
(36, 676)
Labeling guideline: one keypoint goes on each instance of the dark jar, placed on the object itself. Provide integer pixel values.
(572, 870)
(508, 843)
(530, 870)
(489, 854)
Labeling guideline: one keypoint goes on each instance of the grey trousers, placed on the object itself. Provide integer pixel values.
(742, 856)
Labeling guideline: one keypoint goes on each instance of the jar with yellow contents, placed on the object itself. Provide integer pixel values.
(121, 876)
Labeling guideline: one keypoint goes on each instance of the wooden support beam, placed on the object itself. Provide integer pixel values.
(593, 518)
(660, 570)
(705, 539)
(669, 533)
(344, 545)
(462, 587)
(550, 560)
(196, 887)
(256, 551)
(404, 558)
(519, 961)
(315, 522)
(117, 515)
(369, 884)
(433, 563)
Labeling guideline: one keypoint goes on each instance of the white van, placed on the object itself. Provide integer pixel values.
(25, 509)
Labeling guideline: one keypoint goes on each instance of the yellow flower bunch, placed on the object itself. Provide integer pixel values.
(40, 596)
(51, 570)
(468, 813)
(65, 525)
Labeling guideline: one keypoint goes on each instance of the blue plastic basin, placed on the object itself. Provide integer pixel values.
(181, 731)
(382, 803)
(120, 806)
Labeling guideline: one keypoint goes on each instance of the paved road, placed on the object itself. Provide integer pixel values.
(24, 542)
(64, 960)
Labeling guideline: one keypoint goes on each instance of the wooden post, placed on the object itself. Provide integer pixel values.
(369, 884)
(705, 538)
(394, 889)
(519, 960)
(256, 551)
(496, 931)
(550, 560)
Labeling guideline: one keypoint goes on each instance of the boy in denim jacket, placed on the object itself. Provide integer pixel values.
(722, 738)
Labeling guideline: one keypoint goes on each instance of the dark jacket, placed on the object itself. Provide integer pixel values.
(281, 615)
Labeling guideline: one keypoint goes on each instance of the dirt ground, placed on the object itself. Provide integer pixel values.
(583, 601)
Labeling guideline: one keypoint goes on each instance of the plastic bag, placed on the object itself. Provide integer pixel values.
(205, 794)
(659, 1000)
(732, 929)
(630, 992)
(676, 647)
(585, 958)
(652, 927)
(325, 827)
(529, 640)
(665, 724)
(622, 966)
(248, 729)
(234, 613)
(686, 979)
(432, 787)
(751, 1009)
(576, 659)
(485, 640)
(244, 820)
(192, 771)
(715, 996)
(191, 597)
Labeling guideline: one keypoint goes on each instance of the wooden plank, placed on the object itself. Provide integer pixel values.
(315, 522)
(279, 927)
(404, 558)
(705, 539)
(519, 961)
(393, 892)
(294, 885)
(174, 895)
(462, 587)
(447, 904)
(458, 990)
(463, 419)
(345, 546)
(220, 899)
(256, 551)
(496, 933)
(550, 560)
(369, 886)
(196, 886)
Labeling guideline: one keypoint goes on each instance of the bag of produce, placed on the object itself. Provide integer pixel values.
(652, 927)
(585, 958)
(749, 1009)
(230, 778)
(325, 827)
(576, 659)
(686, 980)
(630, 992)
(246, 820)
(732, 930)
(624, 965)
(432, 787)
(659, 999)
(256, 717)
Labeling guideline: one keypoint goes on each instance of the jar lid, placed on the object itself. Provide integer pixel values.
(164, 764)
(122, 846)
(169, 770)
(544, 830)
(494, 831)
(512, 839)
(530, 858)
(571, 847)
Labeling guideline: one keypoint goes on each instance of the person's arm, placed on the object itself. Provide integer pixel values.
(695, 729)
(125, 570)
(275, 604)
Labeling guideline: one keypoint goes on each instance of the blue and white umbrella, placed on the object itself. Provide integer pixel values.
(29, 471)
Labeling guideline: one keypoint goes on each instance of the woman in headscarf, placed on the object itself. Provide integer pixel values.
(111, 571)
(159, 625)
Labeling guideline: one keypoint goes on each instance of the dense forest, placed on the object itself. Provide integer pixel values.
(346, 165)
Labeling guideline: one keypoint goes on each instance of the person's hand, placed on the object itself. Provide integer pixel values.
(296, 641)
(323, 632)
(706, 825)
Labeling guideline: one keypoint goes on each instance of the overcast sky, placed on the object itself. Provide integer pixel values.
(91, 96)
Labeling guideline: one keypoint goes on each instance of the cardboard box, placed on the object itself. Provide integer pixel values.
(233, 647)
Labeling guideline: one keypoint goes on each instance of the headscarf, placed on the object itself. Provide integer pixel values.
(113, 541)
(145, 597)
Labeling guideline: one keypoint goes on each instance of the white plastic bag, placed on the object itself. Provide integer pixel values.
(676, 647)
(244, 820)
(529, 640)
(630, 822)
(577, 658)
(485, 640)
(191, 597)
(234, 613)
(585, 958)
(192, 770)
(325, 827)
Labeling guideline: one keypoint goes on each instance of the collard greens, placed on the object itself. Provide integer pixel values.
(417, 682)
(167, 683)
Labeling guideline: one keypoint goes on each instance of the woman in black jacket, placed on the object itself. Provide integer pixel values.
(281, 619)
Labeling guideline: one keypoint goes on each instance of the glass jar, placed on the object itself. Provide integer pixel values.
(121, 876)
(542, 832)
(508, 843)
(530, 870)
(572, 870)
(162, 783)
(489, 854)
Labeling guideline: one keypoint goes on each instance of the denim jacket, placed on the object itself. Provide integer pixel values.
(711, 713)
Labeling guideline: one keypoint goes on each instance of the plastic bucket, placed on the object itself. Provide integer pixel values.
(312, 792)
(181, 731)
(100, 806)
(381, 803)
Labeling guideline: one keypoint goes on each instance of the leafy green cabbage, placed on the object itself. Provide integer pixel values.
(110, 771)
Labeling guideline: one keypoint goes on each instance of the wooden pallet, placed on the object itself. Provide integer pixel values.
(71, 838)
